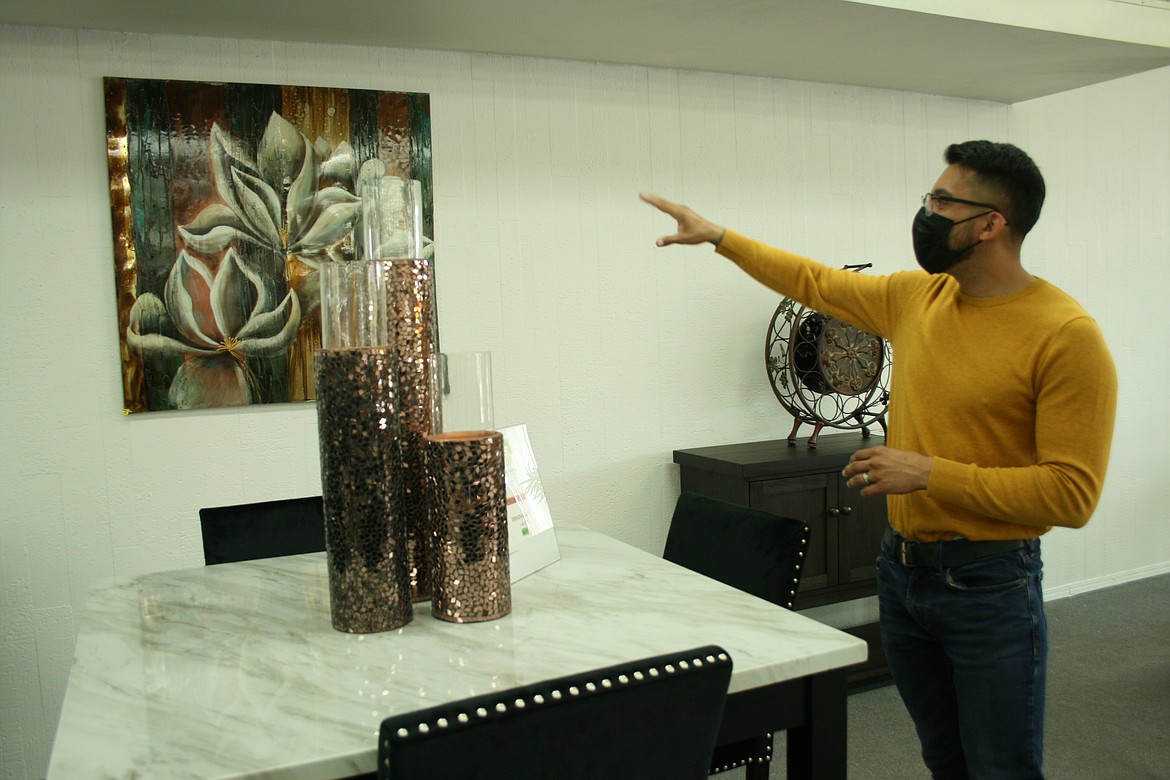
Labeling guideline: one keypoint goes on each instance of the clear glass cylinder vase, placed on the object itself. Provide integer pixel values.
(466, 395)
(389, 224)
(353, 304)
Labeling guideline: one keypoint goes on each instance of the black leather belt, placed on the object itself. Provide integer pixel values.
(943, 555)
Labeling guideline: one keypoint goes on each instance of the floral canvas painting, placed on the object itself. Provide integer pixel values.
(226, 199)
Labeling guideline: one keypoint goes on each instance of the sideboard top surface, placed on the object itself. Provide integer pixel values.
(756, 459)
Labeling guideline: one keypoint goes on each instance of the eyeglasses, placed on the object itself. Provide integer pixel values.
(930, 199)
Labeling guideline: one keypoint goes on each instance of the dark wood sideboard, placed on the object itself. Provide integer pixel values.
(795, 481)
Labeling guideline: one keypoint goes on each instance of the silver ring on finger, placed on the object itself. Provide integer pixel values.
(865, 477)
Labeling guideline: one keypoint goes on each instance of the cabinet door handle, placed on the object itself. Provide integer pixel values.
(846, 510)
(835, 512)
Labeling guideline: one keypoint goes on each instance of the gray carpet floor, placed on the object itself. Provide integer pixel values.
(1108, 713)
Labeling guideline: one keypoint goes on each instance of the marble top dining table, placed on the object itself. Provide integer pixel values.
(234, 670)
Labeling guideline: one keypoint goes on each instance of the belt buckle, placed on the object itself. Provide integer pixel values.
(903, 550)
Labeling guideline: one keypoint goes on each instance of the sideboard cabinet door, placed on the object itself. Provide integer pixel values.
(863, 521)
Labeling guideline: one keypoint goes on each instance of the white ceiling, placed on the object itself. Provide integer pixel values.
(857, 42)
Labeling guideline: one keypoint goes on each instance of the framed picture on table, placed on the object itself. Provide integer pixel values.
(532, 541)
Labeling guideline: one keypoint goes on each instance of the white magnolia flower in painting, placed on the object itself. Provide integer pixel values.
(277, 202)
(206, 319)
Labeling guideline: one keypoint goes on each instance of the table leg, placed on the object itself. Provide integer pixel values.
(817, 749)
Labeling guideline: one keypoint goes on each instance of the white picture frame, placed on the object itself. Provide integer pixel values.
(532, 540)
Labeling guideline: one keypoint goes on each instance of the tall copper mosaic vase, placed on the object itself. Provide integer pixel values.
(361, 483)
(413, 326)
(469, 522)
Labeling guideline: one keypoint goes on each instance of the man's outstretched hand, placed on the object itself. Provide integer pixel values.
(692, 229)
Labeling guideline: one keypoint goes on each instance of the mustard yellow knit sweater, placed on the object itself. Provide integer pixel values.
(1013, 396)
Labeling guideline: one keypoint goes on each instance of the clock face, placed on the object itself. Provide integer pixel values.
(825, 371)
(850, 359)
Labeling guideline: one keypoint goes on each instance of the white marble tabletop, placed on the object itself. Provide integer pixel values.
(233, 671)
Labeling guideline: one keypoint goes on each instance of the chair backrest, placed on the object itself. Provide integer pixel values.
(267, 529)
(755, 551)
(655, 717)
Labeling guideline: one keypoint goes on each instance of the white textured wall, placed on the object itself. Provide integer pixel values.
(613, 352)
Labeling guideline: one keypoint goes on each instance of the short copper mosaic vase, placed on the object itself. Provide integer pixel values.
(361, 484)
(470, 579)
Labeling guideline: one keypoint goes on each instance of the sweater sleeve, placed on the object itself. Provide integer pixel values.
(1075, 407)
(860, 299)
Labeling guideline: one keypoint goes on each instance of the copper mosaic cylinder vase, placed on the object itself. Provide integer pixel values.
(361, 484)
(413, 326)
(469, 522)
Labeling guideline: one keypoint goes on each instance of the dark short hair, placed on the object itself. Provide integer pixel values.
(1008, 174)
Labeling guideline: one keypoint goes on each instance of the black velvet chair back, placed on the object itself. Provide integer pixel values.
(755, 551)
(749, 549)
(653, 718)
(269, 529)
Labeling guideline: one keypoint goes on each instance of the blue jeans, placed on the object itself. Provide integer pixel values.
(967, 647)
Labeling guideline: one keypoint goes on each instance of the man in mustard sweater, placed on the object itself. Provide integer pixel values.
(1001, 415)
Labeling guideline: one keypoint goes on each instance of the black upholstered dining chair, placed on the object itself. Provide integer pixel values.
(655, 717)
(269, 529)
(749, 549)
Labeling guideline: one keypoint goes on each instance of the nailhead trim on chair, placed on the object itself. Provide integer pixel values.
(464, 718)
(792, 593)
(764, 759)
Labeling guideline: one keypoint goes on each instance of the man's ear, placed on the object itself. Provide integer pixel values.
(995, 227)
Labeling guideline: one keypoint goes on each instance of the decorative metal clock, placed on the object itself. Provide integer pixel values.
(826, 372)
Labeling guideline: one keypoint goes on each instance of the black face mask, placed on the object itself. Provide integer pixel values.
(931, 233)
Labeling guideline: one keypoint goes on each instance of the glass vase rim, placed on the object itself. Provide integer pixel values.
(388, 349)
(463, 436)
